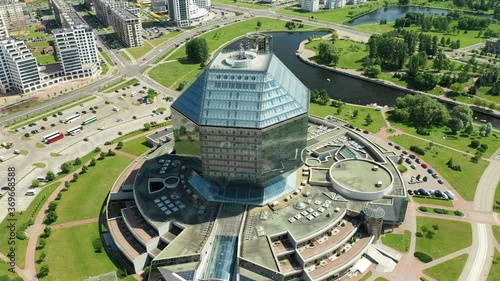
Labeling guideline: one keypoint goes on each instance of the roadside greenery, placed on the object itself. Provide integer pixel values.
(448, 270)
(400, 242)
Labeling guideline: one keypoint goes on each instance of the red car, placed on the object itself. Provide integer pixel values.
(153, 123)
(424, 166)
(124, 95)
(365, 131)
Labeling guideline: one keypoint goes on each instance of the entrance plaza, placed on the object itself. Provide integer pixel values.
(311, 232)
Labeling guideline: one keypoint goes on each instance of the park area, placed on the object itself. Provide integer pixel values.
(350, 53)
(400, 242)
(449, 270)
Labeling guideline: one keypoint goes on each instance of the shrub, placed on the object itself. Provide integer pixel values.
(474, 144)
(417, 150)
(41, 244)
(458, 213)
(97, 243)
(108, 143)
(50, 218)
(419, 234)
(119, 145)
(121, 273)
(92, 162)
(44, 271)
(484, 146)
(97, 149)
(422, 209)
(110, 153)
(423, 257)
(102, 155)
(440, 211)
(435, 226)
(50, 176)
(423, 131)
(46, 232)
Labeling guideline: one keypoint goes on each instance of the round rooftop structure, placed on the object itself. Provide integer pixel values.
(374, 212)
(361, 179)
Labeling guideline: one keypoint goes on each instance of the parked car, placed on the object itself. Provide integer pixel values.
(397, 147)
(412, 156)
(390, 143)
(410, 192)
(438, 193)
(423, 192)
(408, 160)
(413, 167)
(435, 176)
(440, 181)
(424, 165)
(45, 119)
(424, 179)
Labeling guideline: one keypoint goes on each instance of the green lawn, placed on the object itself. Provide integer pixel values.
(444, 135)
(180, 70)
(104, 66)
(433, 201)
(496, 203)
(136, 146)
(4, 271)
(350, 52)
(463, 182)
(496, 232)
(85, 197)
(347, 110)
(482, 93)
(70, 254)
(243, 4)
(381, 279)
(138, 52)
(443, 243)
(468, 39)
(337, 15)
(449, 270)
(495, 267)
(400, 242)
(22, 218)
(164, 38)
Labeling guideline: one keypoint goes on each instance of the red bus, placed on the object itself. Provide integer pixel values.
(54, 138)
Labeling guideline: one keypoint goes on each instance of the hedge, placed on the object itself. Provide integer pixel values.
(423, 257)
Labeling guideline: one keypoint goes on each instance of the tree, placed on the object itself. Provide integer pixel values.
(456, 125)
(355, 113)
(328, 53)
(46, 232)
(457, 89)
(66, 184)
(52, 206)
(441, 62)
(182, 85)
(41, 258)
(77, 162)
(102, 155)
(151, 95)
(259, 25)
(84, 169)
(44, 271)
(462, 113)
(41, 243)
(197, 50)
(421, 110)
(97, 244)
(319, 97)
(485, 130)
(334, 36)
(92, 162)
(147, 126)
(35, 183)
(66, 168)
(372, 71)
(75, 177)
(403, 2)
(368, 119)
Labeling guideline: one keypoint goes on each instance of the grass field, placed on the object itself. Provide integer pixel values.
(4, 271)
(366, 276)
(337, 15)
(463, 182)
(433, 201)
(65, 249)
(138, 52)
(381, 279)
(400, 242)
(242, 3)
(119, 85)
(496, 232)
(495, 267)
(41, 58)
(164, 38)
(444, 135)
(496, 203)
(347, 110)
(443, 242)
(136, 146)
(85, 197)
(449, 270)
(482, 93)
(350, 52)
(181, 70)
(22, 218)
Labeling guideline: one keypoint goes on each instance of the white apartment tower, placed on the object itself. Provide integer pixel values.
(18, 68)
(309, 5)
(3, 28)
(335, 4)
(15, 13)
(127, 25)
(188, 12)
(103, 9)
(75, 47)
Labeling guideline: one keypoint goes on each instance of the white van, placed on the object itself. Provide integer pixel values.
(2, 158)
(42, 179)
(30, 192)
(449, 194)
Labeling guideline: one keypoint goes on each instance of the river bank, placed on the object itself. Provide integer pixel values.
(305, 56)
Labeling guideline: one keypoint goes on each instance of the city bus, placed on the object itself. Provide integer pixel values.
(75, 130)
(72, 118)
(50, 135)
(54, 138)
(90, 120)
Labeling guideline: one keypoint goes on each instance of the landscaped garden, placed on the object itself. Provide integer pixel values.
(85, 197)
(347, 113)
(350, 53)
(400, 242)
(136, 146)
(449, 270)
(495, 268)
(70, 254)
(433, 201)
(437, 237)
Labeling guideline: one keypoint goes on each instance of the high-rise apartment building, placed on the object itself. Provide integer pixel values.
(15, 13)
(18, 67)
(3, 28)
(188, 12)
(335, 4)
(159, 6)
(103, 9)
(309, 5)
(128, 27)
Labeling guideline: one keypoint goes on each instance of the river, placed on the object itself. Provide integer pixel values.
(339, 87)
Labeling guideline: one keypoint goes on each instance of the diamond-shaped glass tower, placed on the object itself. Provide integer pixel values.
(246, 117)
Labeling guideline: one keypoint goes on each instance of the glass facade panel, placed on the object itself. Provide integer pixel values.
(186, 135)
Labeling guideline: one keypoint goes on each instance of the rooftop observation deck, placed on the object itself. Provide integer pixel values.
(332, 263)
(138, 225)
(122, 236)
